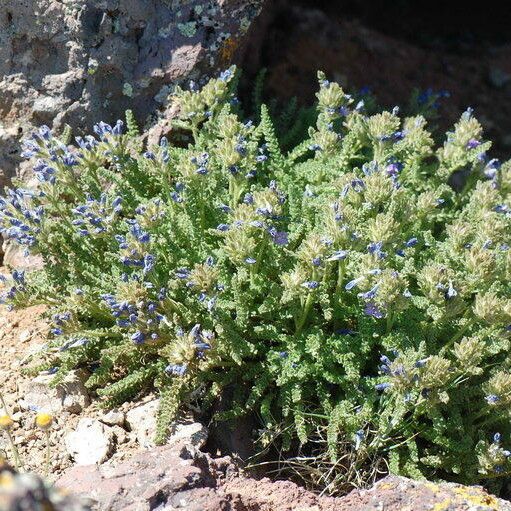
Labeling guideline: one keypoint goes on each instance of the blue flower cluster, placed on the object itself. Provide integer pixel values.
(201, 342)
(60, 320)
(19, 219)
(133, 248)
(95, 216)
(14, 285)
(142, 318)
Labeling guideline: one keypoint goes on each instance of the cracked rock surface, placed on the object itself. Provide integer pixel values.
(79, 62)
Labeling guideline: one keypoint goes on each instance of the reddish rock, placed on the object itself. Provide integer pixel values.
(169, 478)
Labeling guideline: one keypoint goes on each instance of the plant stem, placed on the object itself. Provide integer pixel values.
(48, 454)
(390, 321)
(15, 453)
(4, 405)
(305, 313)
(307, 307)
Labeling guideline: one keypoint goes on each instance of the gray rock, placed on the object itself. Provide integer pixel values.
(78, 63)
(69, 396)
(141, 420)
(113, 418)
(189, 433)
(13, 255)
(155, 479)
(91, 443)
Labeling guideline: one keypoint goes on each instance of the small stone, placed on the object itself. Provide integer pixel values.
(113, 418)
(120, 434)
(70, 395)
(142, 421)
(190, 434)
(91, 443)
(25, 336)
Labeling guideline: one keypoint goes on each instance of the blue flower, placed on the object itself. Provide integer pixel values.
(138, 337)
(380, 387)
(345, 331)
(369, 295)
(375, 248)
(149, 262)
(352, 283)
(279, 237)
(338, 255)
(182, 273)
(311, 284)
(176, 369)
(451, 292)
(359, 438)
(492, 399)
(226, 75)
(372, 310)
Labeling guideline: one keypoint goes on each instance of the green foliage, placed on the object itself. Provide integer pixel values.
(356, 284)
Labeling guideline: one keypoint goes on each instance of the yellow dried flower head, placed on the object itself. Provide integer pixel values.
(6, 423)
(43, 420)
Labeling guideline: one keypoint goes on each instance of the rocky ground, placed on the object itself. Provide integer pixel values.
(82, 432)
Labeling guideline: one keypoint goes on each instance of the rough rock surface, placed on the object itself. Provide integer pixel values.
(91, 442)
(73, 62)
(171, 477)
(70, 395)
(142, 422)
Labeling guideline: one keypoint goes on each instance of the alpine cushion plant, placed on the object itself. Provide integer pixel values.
(346, 287)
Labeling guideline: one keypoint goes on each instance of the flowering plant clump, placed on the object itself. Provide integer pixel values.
(358, 285)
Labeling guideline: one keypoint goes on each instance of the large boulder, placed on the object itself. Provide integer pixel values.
(78, 62)
(171, 478)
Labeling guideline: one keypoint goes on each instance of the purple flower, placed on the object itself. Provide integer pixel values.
(380, 387)
(311, 284)
(138, 337)
(280, 238)
(372, 310)
(176, 369)
(492, 399)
